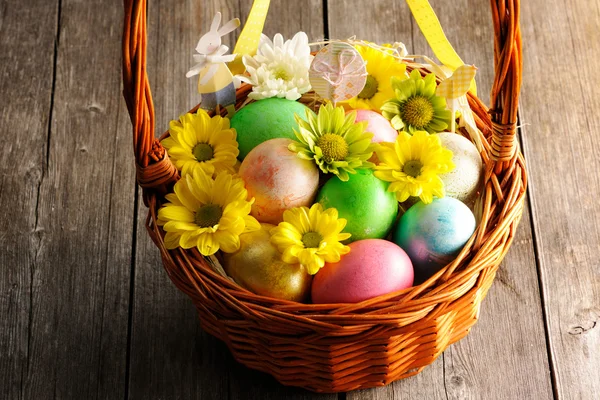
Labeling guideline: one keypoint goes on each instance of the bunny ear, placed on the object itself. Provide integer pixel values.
(229, 27)
(214, 26)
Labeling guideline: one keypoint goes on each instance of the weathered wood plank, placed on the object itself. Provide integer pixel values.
(509, 337)
(26, 87)
(383, 21)
(505, 354)
(485, 364)
(82, 247)
(170, 356)
(560, 95)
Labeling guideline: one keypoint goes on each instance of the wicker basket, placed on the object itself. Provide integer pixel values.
(334, 348)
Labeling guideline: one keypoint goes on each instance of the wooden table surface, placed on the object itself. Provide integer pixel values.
(86, 309)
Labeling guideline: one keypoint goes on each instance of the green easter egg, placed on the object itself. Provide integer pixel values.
(364, 202)
(266, 119)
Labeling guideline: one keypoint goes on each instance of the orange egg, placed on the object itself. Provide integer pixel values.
(278, 180)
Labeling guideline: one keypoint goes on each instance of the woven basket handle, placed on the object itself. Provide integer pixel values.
(155, 171)
(508, 65)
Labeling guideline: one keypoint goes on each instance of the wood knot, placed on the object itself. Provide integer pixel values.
(457, 380)
(581, 329)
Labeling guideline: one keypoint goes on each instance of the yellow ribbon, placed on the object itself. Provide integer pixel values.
(432, 30)
(247, 43)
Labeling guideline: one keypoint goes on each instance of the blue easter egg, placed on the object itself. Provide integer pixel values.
(433, 234)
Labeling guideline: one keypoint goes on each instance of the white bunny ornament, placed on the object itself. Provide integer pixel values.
(215, 83)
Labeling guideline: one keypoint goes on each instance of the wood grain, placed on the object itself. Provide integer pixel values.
(25, 104)
(80, 238)
(171, 357)
(560, 95)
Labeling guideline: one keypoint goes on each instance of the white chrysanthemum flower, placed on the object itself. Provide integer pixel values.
(279, 69)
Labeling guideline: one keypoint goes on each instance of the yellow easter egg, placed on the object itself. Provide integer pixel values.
(257, 266)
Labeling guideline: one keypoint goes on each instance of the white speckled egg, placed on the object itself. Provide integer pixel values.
(465, 180)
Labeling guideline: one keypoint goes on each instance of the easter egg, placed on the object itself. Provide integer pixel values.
(373, 267)
(278, 179)
(257, 266)
(370, 210)
(266, 119)
(466, 179)
(377, 124)
(433, 234)
(380, 127)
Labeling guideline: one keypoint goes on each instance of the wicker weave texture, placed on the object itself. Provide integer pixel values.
(342, 347)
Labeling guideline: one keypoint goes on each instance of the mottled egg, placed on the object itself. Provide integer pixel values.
(364, 202)
(433, 234)
(278, 179)
(466, 179)
(257, 266)
(373, 267)
(380, 127)
(266, 119)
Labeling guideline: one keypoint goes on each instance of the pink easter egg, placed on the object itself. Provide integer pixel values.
(377, 124)
(373, 267)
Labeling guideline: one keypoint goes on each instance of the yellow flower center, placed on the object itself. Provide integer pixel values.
(208, 215)
(203, 152)
(370, 88)
(334, 147)
(413, 168)
(417, 111)
(312, 239)
(282, 73)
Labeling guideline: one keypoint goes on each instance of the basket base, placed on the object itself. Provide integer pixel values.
(337, 364)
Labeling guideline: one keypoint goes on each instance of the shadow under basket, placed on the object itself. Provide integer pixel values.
(343, 347)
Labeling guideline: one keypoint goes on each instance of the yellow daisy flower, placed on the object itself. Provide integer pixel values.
(310, 237)
(415, 107)
(334, 141)
(381, 67)
(199, 142)
(207, 213)
(413, 164)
